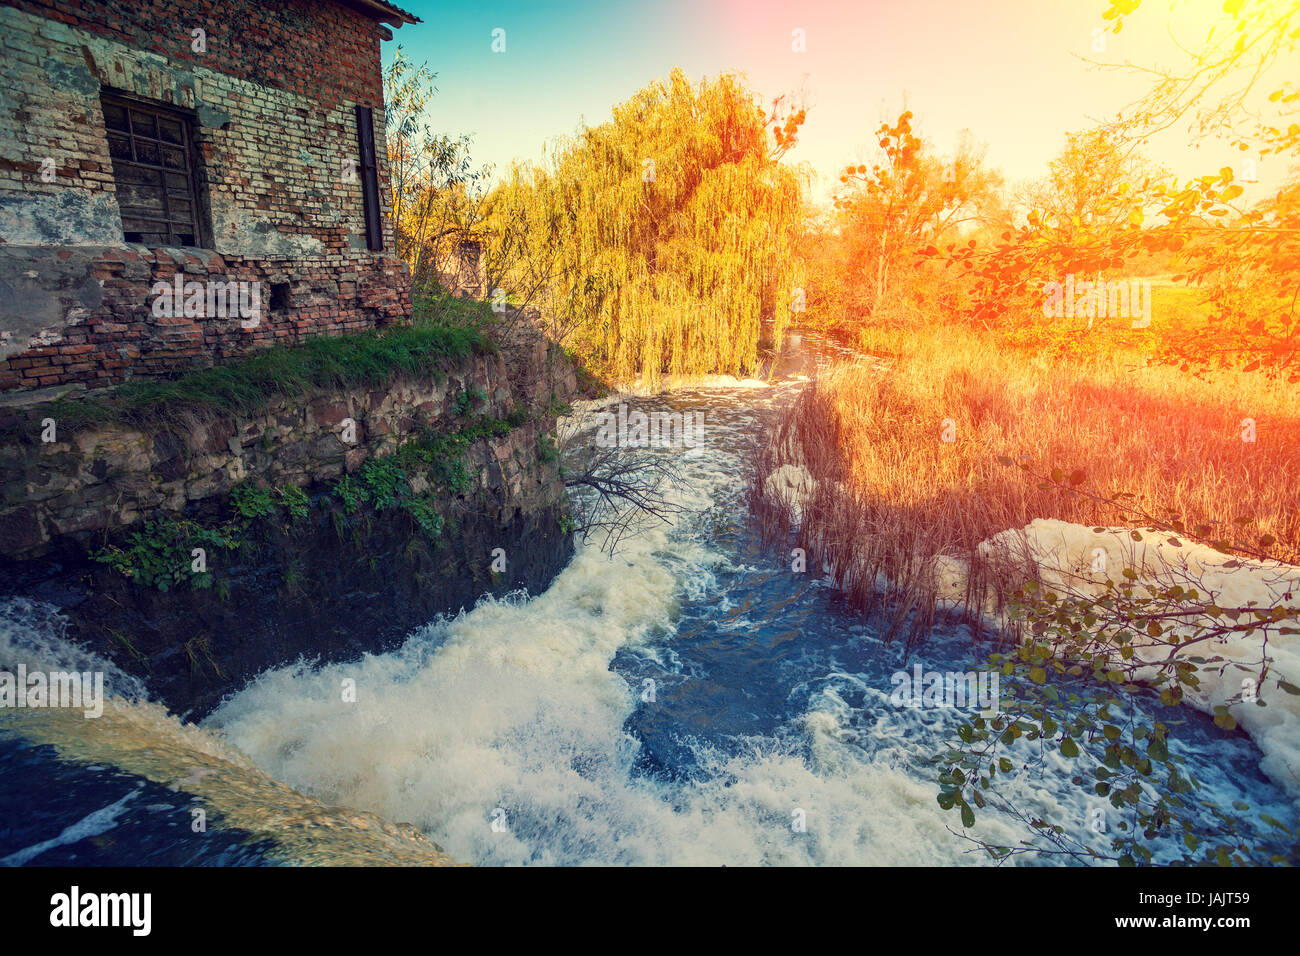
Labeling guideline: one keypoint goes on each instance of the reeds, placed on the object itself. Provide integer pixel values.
(906, 460)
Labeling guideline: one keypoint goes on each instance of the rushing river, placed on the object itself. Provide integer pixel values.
(690, 700)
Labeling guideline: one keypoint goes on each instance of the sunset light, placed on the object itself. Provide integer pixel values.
(693, 435)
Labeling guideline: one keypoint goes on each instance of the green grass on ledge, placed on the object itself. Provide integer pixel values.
(252, 383)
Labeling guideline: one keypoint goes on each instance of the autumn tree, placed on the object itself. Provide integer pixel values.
(1247, 258)
(1115, 650)
(862, 259)
(1095, 184)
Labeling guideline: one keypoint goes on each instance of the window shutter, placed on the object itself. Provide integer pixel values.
(369, 178)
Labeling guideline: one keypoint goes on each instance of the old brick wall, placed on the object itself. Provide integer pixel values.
(273, 105)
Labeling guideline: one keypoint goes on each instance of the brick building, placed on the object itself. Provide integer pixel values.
(182, 181)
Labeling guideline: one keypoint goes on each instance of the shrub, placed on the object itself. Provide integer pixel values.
(160, 555)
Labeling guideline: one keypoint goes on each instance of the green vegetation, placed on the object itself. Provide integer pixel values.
(466, 401)
(128, 646)
(200, 645)
(435, 307)
(1065, 690)
(249, 385)
(430, 459)
(295, 502)
(348, 490)
(556, 408)
(251, 501)
(424, 513)
(383, 481)
(160, 555)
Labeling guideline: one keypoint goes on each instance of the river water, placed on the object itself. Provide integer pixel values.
(689, 700)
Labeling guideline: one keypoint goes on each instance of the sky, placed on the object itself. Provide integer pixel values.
(1013, 72)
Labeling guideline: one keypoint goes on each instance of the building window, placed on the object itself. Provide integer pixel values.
(154, 168)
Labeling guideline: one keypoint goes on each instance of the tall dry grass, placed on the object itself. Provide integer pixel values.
(891, 493)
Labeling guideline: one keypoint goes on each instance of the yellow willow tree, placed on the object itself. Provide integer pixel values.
(663, 240)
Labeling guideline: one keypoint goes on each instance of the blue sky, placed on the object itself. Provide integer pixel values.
(1011, 71)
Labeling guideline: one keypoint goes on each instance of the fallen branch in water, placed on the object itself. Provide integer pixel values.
(629, 492)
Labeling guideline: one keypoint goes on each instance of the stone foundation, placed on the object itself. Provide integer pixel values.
(329, 585)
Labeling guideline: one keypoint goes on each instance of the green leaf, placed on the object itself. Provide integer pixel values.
(1226, 721)
(967, 816)
(1069, 748)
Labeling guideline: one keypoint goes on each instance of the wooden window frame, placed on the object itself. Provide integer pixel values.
(172, 228)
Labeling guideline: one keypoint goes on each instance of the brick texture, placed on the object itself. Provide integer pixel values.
(272, 100)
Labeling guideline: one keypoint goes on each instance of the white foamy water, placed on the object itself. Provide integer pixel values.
(514, 706)
(139, 737)
(510, 712)
(93, 824)
(503, 734)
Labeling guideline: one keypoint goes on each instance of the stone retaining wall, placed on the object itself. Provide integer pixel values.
(91, 480)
